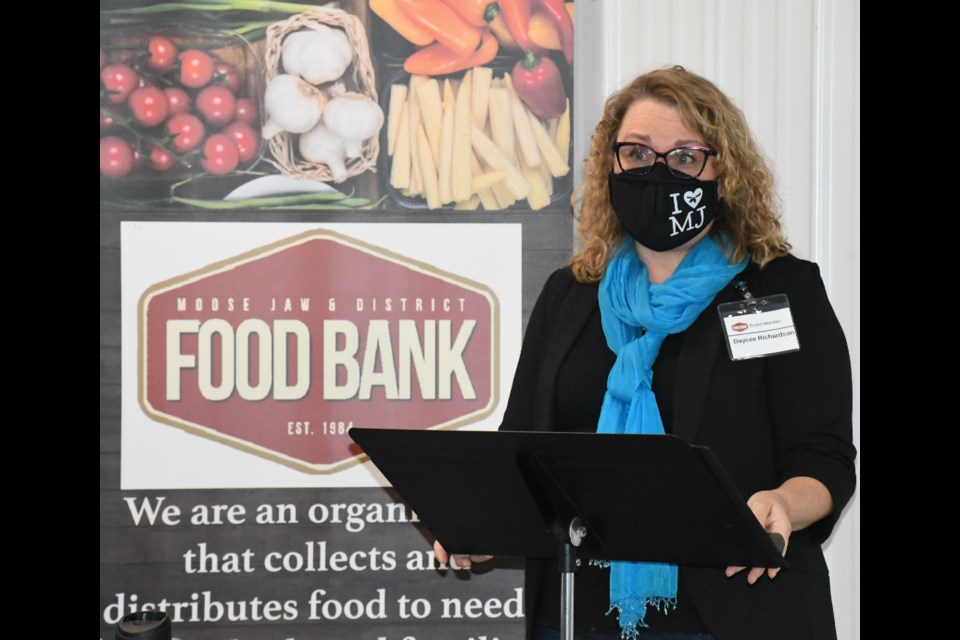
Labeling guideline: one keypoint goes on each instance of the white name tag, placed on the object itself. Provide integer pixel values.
(759, 327)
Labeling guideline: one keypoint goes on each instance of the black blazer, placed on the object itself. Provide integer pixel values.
(766, 420)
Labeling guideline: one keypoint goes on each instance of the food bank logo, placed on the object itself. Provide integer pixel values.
(282, 350)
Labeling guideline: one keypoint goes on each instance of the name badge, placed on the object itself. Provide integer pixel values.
(759, 327)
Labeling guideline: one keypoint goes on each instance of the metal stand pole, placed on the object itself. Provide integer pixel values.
(568, 567)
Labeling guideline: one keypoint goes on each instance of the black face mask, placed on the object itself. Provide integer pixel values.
(661, 211)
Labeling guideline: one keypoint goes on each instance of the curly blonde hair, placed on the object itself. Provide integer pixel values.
(745, 181)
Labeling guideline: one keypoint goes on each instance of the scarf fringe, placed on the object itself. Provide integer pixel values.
(632, 611)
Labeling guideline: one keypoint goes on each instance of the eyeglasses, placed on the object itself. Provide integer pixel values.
(683, 162)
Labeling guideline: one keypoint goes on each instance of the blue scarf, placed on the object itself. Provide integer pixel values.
(630, 304)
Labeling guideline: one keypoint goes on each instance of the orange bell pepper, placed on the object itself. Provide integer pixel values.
(476, 12)
(516, 13)
(437, 59)
(443, 23)
(399, 22)
(499, 29)
(557, 12)
(543, 32)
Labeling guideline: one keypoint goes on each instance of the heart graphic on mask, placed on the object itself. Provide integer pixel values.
(692, 198)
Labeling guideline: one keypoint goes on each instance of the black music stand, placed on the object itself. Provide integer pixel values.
(572, 496)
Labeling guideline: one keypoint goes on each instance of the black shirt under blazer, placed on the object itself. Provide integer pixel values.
(765, 419)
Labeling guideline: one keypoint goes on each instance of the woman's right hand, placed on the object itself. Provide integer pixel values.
(456, 560)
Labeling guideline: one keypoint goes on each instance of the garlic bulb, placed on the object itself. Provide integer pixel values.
(321, 145)
(292, 105)
(318, 55)
(353, 117)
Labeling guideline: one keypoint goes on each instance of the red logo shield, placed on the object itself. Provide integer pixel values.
(280, 351)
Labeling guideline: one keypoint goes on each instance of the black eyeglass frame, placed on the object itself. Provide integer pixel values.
(642, 171)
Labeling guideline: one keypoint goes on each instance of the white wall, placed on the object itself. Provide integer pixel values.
(793, 66)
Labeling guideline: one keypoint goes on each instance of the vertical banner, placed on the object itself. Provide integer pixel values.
(314, 216)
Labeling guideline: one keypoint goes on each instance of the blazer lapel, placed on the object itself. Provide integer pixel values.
(702, 344)
(579, 303)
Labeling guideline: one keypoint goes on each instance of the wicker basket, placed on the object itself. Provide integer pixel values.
(358, 77)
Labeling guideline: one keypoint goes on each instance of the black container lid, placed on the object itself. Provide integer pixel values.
(144, 625)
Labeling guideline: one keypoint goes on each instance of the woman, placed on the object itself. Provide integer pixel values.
(676, 218)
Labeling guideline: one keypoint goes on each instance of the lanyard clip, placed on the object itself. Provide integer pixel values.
(744, 290)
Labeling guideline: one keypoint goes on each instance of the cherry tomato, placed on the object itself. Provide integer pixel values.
(247, 112)
(106, 122)
(226, 74)
(216, 104)
(148, 106)
(220, 155)
(196, 68)
(163, 53)
(119, 80)
(177, 100)
(246, 139)
(187, 130)
(161, 159)
(116, 157)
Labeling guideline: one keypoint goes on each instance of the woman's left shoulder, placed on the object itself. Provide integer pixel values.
(784, 274)
(807, 297)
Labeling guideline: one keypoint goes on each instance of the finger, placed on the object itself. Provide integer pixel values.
(772, 573)
(755, 574)
(732, 571)
(439, 552)
(759, 507)
(460, 561)
(483, 558)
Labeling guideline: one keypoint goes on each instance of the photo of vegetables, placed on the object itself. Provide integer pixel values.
(395, 105)
(474, 144)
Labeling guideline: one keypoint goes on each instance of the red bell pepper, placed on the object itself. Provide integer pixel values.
(557, 13)
(537, 83)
